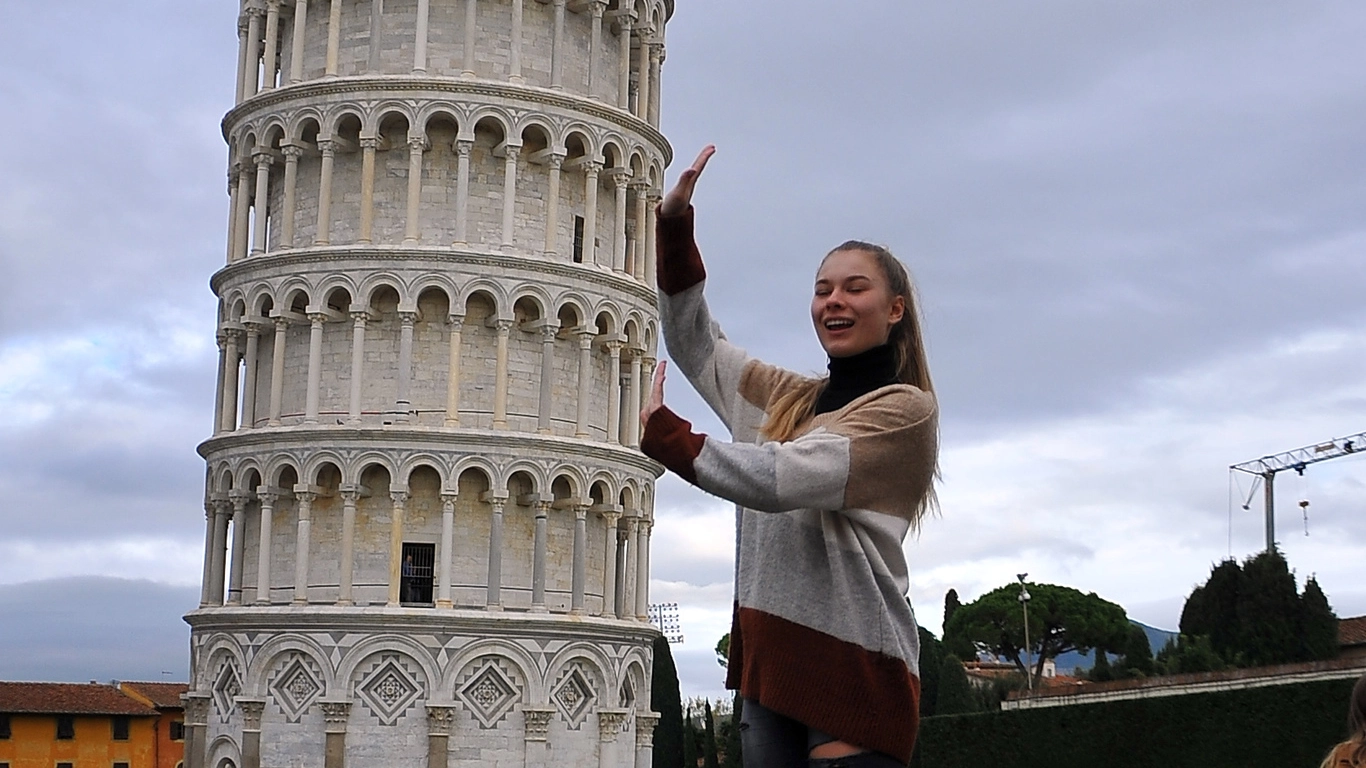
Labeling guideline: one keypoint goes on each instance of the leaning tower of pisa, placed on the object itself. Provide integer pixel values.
(428, 526)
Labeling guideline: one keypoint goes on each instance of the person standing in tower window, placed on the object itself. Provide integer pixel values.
(409, 580)
(828, 475)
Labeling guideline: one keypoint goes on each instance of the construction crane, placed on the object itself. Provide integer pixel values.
(1267, 467)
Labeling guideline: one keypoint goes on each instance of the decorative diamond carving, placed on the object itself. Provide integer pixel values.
(226, 688)
(295, 689)
(389, 691)
(627, 695)
(574, 697)
(489, 694)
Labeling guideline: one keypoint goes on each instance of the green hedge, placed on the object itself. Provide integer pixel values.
(1280, 726)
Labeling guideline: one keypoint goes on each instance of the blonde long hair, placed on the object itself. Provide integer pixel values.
(788, 413)
(1356, 728)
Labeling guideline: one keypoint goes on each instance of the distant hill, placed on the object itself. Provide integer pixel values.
(1072, 661)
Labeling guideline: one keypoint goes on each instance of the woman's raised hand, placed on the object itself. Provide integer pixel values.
(680, 197)
(656, 395)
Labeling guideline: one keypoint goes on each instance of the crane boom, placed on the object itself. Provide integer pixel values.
(1267, 467)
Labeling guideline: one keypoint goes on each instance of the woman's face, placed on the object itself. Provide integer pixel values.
(853, 309)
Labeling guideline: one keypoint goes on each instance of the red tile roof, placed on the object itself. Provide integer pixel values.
(68, 699)
(159, 695)
(1352, 631)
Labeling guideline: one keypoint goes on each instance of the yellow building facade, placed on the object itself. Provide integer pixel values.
(65, 725)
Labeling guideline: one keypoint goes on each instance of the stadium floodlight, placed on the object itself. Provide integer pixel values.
(665, 618)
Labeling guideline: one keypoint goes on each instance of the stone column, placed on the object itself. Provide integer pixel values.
(642, 110)
(234, 176)
(416, 144)
(500, 384)
(656, 62)
(218, 576)
(439, 719)
(443, 587)
(624, 66)
(548, 332)
(585, 336)
(277, 371)
(626, 579)
(262, 201)
(403, 406)
(222, 343)
(329, 151)
(463, 147)
(613, 391)
(536, 733)
(251, 710)
(471, 27)
(333, 37)
(509, 193)
(232, 368)
(303, 499)
(196, 726)
(643, 569)
(243, 29)
(610, 514)
(249, 377)
(642, 190)
(591, 169)
(610, 722)
(557, 48)
(645, 738)
(206, 584)
(375, 41)
(238, 500)
(315, 366)
(453, 372)
(494, 601)
(335, 716)
(632, 417)
(350, 495)
(597, 7)
(252, 72)
(580, 558)
(554, 162)
(241, 231)
(399, 499)
(651, 206)
(265, 543)
(420, 39)
(272, 43)
(515, 55)
(292, 154)
(359, 317)
(296, 48)
(621, 177)
(367, 189)
(538, 552)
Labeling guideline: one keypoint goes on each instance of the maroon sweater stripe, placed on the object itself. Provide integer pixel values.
(678, 262)
(813, 678)
(669, 440)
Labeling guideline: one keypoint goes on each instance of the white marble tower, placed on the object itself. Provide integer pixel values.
(427, 523)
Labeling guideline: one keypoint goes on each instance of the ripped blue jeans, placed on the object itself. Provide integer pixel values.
(771, 740)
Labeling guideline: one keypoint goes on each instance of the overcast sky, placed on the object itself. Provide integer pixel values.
(1138, 230)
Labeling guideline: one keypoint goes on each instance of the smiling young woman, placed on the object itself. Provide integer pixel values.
(828, 474)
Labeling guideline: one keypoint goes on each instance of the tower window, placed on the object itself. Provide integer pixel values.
(416, 583)
(66, 727)
(578, 239)
(120, 725)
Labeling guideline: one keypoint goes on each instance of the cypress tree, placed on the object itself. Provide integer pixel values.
(667, 701)
(709, 754)
(931, 659)
(1268, 611)
(1319, 625)
(1223, 593)
(951, 605)
(1138, 653)
(1101, 671)
(955, 692)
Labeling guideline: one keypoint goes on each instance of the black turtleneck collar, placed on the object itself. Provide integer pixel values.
(857, 375)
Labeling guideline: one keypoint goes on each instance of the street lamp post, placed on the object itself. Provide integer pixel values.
(1024, 604)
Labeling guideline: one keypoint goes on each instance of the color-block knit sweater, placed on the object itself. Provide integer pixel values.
(823, 631)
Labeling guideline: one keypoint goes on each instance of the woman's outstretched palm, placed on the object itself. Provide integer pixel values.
(680, 197)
